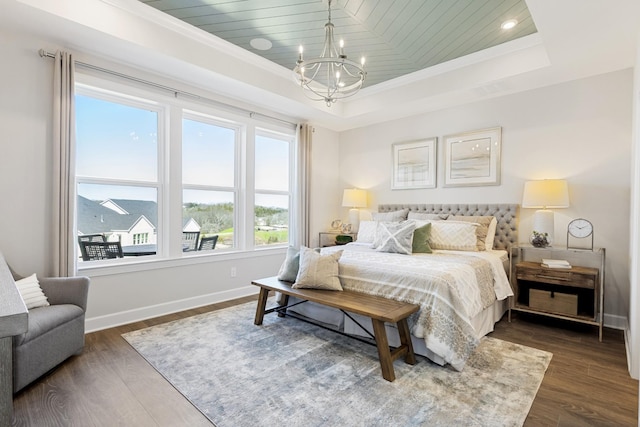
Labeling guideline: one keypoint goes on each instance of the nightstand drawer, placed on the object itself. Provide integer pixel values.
(580, 277)
(553, 302)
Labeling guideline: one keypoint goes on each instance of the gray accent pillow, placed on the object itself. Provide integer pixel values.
(395, 237)
(400, 215)
(289, 268)
(318, 271)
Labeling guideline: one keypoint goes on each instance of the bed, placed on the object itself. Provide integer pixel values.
(462, 293)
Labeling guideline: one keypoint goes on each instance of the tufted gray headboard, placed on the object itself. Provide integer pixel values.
(506, 214)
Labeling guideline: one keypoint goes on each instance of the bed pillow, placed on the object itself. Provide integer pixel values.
(318, 271)
(491, 234)
(395, 237)
(421, 236)
(289, 268)
(31, 292)
(454, 235)
(481, 231)
(400, 215)
(427, 216)
(366, 232)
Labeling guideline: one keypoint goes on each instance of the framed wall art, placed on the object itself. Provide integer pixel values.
(472, 158)
(414, 164)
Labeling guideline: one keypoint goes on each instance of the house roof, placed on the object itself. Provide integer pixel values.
(93, 217)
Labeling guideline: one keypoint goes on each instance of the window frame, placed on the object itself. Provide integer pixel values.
(172, 110)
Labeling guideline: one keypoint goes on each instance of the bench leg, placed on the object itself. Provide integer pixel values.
(405, 341)
(262, 303)
(285, 302)
(384, 353)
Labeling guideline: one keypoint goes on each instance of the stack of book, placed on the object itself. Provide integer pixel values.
(555, 263)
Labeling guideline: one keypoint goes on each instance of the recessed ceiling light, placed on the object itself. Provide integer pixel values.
(261, 44)
(509, 24)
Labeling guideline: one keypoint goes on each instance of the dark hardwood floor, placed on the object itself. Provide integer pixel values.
(109, 384)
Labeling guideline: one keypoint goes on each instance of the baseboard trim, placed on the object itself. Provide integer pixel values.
(98, 323)
(616, 322)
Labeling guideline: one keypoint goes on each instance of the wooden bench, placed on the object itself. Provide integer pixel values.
(379, 309)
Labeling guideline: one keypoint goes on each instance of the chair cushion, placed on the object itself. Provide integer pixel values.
(45, 319)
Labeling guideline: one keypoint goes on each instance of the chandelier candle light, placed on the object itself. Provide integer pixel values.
(331, 76)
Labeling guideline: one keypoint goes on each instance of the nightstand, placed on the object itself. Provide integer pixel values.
(575, 294)
(328, 238)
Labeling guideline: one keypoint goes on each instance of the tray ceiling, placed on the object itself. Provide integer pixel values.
(397, 37)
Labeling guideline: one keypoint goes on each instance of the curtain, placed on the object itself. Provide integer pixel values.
(303, 191)
(63, 164)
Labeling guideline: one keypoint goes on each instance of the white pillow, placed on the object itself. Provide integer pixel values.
(395, 237)
(400, 215)
(366, 232)
(453, 235)
(318, 271)
(31, 292)
(427, 216)
(491, 234)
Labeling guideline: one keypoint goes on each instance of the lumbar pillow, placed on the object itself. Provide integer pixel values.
(31, 292)
(400, 215)
(289, 268)
(395, 237)
(318, 271)
(366, 232)
(421, 236)
(454, 235)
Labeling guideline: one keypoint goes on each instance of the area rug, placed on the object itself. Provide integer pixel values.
(288, 372)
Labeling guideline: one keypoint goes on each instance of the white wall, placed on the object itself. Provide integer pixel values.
(26, 167)
(633, 337)
(580, 131)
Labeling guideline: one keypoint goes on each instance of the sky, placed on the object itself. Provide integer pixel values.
(120, 141)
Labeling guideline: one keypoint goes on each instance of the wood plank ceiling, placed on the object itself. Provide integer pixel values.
(397, 37)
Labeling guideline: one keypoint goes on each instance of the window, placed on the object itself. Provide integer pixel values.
(272, 196)
(209, 158)
(117, 167)
(140, 238)
(231, 179)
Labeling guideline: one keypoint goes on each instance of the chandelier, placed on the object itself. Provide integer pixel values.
(331, 76)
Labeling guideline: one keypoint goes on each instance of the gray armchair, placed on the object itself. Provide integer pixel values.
(54, 333)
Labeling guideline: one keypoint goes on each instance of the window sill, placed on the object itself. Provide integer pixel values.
(137, 264)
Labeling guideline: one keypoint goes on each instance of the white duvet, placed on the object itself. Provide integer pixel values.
(451, 287)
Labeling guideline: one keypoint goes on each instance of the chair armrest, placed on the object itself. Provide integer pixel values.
(66, 290)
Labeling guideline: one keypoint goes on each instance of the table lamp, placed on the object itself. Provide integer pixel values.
(354, 198)
(544, 195)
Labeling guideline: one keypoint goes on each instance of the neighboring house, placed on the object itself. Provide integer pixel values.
(132, 222)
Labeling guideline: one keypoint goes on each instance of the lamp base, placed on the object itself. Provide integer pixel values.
(354, 219)
(543, 223)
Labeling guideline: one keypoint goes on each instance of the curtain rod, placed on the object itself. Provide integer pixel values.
(43, 53)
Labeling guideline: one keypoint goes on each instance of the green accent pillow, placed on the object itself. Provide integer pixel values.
(421, 236)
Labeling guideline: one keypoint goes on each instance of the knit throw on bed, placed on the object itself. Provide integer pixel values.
(288, 372)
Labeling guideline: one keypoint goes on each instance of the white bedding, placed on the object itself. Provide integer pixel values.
(451, 287)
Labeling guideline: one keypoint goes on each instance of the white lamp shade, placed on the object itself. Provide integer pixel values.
(354, 198)
(546, 193)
